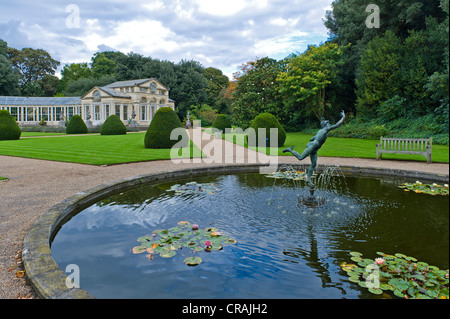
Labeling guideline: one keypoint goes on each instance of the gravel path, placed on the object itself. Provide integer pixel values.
(34, 186)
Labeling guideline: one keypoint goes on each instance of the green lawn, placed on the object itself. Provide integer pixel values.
(351, 147)
(32, 134)
(116, 149)
(86, 149)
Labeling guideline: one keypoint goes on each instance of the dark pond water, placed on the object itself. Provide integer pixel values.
(282, 250)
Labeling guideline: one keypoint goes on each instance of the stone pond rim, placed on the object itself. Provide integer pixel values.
(47, 278)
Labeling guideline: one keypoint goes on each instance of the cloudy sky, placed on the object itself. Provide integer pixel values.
(219, 33)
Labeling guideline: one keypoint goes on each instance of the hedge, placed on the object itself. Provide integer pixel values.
(9, 130)
(162, 125)
(76, 126)
(113, 126)
(268, 121)
(221, 122)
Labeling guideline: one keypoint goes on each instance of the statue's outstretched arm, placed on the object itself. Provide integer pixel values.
(338, 123)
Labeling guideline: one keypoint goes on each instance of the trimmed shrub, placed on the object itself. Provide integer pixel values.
(76, 126)
(268, 121)
(9, 130)
(162, 125)
(113, 126)
(221, 122)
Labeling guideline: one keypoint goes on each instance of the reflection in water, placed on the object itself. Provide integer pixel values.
(282, 250)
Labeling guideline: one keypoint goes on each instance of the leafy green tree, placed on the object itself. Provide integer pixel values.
(9, 78)
(346, 25)
(32, 89)
(190, 86)
(49, 84)
(308, 76)
(379, 73)
(81, 86)
(101, 65)
(32, 64)
(217, 82)
(73, 72)
(256, 92)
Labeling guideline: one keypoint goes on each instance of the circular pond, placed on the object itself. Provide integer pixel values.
(261, 243)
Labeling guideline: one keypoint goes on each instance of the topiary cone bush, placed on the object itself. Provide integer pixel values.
(76, 126)
(162, 125)
(267, 121)
(9, 130)
(113, 126)
(221, 122)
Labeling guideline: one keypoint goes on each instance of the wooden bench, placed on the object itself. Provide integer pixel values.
(419, 146)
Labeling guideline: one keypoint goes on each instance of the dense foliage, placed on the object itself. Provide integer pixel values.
(267, 121)
(160, 129)
(76, 125)
(113, 126)
(9, 130)
(221, 122)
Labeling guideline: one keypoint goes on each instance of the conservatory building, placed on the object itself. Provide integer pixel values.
(130, 100)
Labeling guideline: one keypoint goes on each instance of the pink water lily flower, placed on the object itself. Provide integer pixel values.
(379, 261)
(194, 227)
(207, 243)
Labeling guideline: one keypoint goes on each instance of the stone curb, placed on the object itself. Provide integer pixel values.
(47, 278)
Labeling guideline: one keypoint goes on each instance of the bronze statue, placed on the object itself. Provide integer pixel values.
(315, 143)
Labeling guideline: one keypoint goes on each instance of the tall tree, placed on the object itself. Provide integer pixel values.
(217, 81)
(256, 92)
(9, 77)
(33, 64)
(308, 76)
(101, 65)
(73, 72)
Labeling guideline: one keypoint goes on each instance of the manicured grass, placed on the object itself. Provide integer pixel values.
(352, 147)
(32, 134)
(87, 149)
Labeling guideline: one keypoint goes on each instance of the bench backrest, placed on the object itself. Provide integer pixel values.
(406, 144)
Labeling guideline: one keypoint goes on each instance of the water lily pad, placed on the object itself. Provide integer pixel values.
(144, 239)
(139, 250)
(216, 247)
(354, 279)
(192, 261)
(229, 241)
(168, 254)
(376, 291)
(355, 254)
(184, 223)
(160, 231)
(175, 229)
